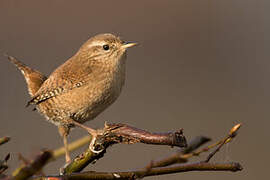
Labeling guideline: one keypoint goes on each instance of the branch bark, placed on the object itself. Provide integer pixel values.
(122, 133)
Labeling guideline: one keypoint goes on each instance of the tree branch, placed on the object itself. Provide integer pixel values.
(201, 166)
(122, 133)
(33, 167)
(110, 134)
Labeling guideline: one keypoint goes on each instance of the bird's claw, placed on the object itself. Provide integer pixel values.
(92, 146)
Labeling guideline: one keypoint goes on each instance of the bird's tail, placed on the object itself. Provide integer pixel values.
(33, 78)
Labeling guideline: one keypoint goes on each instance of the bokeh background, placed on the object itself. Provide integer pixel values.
(202, 65)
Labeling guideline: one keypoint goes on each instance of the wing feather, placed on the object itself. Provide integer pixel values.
(65, 78)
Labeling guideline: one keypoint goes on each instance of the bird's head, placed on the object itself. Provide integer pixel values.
(104, 48)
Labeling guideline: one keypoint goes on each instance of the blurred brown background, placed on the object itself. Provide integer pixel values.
(202, 65)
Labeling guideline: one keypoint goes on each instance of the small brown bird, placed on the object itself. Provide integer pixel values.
(82, 87)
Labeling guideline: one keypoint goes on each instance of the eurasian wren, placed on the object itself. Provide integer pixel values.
(82, 87)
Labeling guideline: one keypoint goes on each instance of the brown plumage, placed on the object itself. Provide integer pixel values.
(33, 78)
(82, 87)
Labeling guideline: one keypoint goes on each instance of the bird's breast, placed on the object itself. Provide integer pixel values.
(101, 94)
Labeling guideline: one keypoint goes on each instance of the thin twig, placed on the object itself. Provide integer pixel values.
(232, 134)
(194, 144)
(198, 152)
(189, 152)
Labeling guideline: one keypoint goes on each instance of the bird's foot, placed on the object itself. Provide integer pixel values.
(92, 146)
(94, 133)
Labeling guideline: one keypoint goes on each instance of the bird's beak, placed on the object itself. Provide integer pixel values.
(128, 45)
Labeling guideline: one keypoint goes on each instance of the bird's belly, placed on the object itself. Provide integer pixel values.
(78, 106)
(95, 103)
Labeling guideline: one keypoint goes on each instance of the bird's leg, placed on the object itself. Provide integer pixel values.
(91, 131)
(64, 131)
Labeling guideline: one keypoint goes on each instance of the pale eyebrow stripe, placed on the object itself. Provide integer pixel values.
(96, 43)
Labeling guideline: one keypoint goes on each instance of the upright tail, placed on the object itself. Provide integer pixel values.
(34, 79)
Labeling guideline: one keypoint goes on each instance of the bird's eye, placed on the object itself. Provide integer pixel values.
(106, 47)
